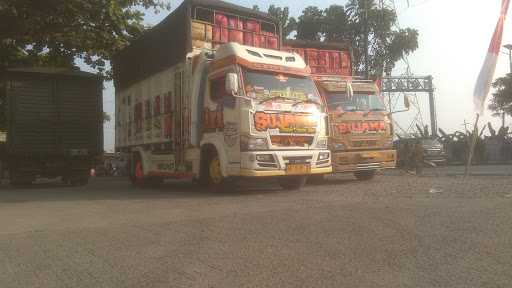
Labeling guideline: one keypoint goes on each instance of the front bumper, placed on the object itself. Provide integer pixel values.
(441, 159)
(363, 160)
(435, 155)
(252, 167)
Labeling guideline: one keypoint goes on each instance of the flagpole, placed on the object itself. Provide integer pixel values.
(472, 146)
(484, 80)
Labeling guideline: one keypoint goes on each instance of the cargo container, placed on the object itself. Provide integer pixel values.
(360, 128)
(195, 101)
(323, 58)
(53, 124)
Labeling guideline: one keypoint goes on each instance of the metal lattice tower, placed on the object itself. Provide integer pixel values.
(408, 85)
(398, 87)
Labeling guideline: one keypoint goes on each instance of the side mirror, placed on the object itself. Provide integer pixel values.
(407, 102)
(232, 84)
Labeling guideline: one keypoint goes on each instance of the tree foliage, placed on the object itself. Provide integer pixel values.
(309, 26)
(501, 100)
(288, 24)
(369, 28)
(57, 32)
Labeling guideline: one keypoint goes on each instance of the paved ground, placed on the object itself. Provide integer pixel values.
(396, 231)
(484, 170)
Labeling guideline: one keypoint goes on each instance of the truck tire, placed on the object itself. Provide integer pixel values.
(19, 179)
(214, 178)
(137, 175)
(365, 175)
(292, 182)
(139, 180)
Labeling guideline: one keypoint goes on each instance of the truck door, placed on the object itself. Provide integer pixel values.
(225, 117)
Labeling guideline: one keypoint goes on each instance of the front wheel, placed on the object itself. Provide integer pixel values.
(215, 179)
(18, 179)
(215, 176)
(292, 182)
(365, 175)
(137, 175)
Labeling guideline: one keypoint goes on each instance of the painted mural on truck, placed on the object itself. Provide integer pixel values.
(360, 127)
(285, 122)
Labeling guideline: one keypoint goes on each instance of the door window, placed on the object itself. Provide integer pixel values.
(218, 88)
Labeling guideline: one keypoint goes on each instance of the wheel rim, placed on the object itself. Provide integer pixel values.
(215, 171)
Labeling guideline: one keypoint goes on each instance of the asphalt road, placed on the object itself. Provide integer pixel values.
(395, 231)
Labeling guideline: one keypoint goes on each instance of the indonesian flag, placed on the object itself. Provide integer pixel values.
(484, 81)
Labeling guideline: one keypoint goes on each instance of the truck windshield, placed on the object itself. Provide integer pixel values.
(358, 102)
(268, 86)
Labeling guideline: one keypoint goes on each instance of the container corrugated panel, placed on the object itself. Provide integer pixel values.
(32, 118)
(78, 108)
(51, 113)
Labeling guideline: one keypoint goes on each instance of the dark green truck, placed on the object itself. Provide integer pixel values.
(51, 124)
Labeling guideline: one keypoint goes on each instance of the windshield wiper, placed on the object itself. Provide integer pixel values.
(307, 101)
(374, 110)
(272, 99)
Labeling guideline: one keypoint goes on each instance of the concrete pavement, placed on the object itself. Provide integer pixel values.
(395, 231)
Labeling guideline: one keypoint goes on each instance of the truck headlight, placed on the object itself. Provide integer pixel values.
(321, 143)
(268, 158)
(339, 146)
(323, 156)
(248, 143)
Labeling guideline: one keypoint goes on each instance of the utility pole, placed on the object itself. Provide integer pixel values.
(366, 36)
(432, 105)
(466, 125)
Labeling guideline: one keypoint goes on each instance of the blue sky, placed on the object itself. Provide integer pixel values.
(454, 37)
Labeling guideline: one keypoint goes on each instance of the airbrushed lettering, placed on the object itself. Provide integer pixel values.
(361, 127)
(285, 122)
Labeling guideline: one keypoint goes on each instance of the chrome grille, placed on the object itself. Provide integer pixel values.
(298, 159)
(364, 143)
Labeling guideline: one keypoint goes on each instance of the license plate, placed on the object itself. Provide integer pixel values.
(298, 169)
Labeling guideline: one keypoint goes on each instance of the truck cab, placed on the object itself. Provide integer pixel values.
(360, 127)
(263, 115)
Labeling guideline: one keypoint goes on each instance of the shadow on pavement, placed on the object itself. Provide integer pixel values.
(119, 189)
(113, 188)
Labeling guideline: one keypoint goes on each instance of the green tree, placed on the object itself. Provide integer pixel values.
(501, 100)
(57, 32)
(336, 25)
(288, 24)
(310, 23)
(377, 44)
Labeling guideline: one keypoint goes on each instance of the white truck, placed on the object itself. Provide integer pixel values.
(218, 111)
